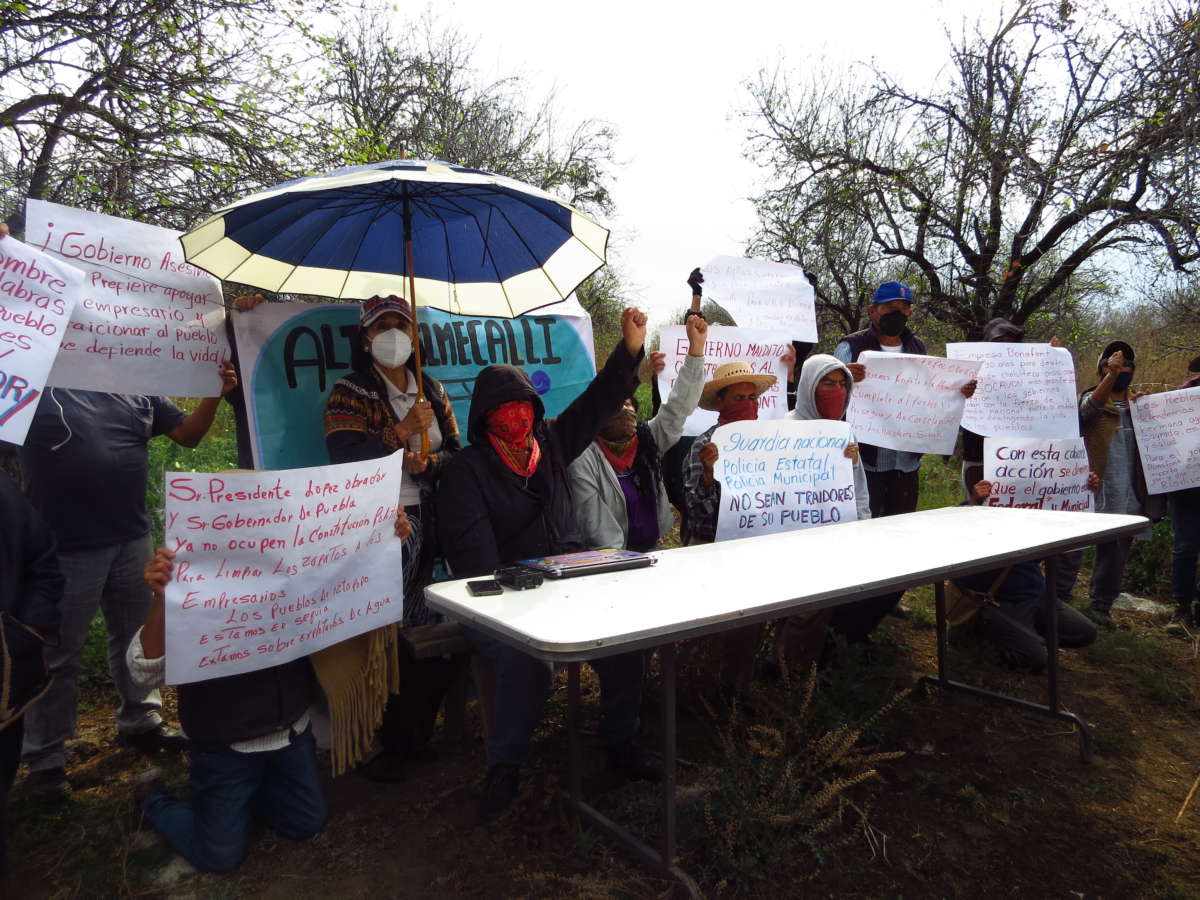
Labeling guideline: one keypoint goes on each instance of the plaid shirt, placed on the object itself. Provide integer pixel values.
(701, 502)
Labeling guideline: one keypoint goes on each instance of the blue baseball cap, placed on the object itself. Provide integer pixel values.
(892, 290)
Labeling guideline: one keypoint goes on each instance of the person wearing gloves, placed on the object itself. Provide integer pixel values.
(371, 413)
(507, 497)
(1113, 454)
(617, 482)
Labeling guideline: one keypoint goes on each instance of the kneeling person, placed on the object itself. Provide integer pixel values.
(1016, 622)
(252, 750)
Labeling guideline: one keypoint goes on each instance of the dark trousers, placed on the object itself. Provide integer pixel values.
(410, 715)
(280, 788)
(10, 758)
(1109, 572)
(523, 685)
(1185, 521)
(892, 493)
(1017, 629)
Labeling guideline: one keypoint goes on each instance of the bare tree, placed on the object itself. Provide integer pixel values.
(1048, 144)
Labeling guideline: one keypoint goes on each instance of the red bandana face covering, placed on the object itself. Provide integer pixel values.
(509, 428)
(830, 401)
(738, 412)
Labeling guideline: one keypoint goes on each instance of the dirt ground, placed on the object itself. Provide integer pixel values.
(987, 801)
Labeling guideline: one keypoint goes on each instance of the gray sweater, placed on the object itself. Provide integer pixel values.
(599, 502)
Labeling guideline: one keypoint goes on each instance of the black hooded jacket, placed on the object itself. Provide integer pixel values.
(489, 516)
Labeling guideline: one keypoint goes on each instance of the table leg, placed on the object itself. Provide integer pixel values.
(662, 863)
(666, 661)
(939, 597)
(1051, 708)
(574, 750)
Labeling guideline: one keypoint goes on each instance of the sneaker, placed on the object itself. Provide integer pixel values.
(49, 784)
(161, 738)
(499, 790)
(634, 763)
(386, 768)
(1100, 617)
(147, 785)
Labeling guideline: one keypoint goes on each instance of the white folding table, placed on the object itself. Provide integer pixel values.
(694, 591)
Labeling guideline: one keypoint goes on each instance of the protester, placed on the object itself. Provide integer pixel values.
(507, 497)
(617, 482)
(370, 414)
(1113, 455)
(1185, 525)
(252, 752)
(86, 466)
(893, 476)
(1015, 621)
(31, 588)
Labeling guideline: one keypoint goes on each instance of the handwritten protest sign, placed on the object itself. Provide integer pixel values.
(1025, 390)
(37, 294)
(1037, 474)
(780, 476)
(760, 349)
(772, 296)
(909, 402)
(292, 354)
(1168, 437)
(272, 566)
(147, 322)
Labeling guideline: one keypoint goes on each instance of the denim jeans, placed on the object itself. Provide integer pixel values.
(280, 788)
(523, 685)
(1185, 521)
(110, 579)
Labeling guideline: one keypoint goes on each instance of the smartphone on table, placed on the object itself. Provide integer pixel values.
(484, 587)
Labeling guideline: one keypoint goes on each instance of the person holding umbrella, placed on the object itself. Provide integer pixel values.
(507, 497)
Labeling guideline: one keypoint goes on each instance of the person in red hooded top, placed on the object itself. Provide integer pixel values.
(507, 497)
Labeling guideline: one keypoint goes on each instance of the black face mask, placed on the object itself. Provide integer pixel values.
(1122, 382)
(891, 324)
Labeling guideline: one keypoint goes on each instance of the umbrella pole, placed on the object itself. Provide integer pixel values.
(412, 299)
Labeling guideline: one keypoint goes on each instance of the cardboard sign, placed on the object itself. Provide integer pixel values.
(292, 354)
(780, 476)
(272, 566)
(1025, 390)
(911, 403)
(37, 295)
(146, 322)
(762, 350)
(770, 296)
(1168, 438)
(1037, 474)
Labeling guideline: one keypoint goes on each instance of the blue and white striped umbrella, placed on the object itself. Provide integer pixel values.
(481, 244)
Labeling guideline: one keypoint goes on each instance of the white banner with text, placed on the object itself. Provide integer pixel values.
(775, 297)
(1167, 426)
(1025, 390)
(1035, 473)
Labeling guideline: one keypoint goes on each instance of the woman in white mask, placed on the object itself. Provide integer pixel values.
(371, 413)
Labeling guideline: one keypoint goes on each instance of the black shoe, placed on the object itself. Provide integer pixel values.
(634, 763)
(386, 768)
(162, 738)
(49, 784)
(1100, 617)
(148, 785)
(499, 791)
(1181, 623)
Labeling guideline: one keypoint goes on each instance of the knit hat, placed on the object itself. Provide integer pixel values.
(375, 307)
(892, 290)
(732, 373)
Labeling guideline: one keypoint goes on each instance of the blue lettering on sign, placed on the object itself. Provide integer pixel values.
(304, 358)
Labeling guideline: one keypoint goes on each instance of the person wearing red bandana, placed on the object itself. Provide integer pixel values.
(733, 394)
(507, 497)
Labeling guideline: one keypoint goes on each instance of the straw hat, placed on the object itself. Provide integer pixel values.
(732, 373)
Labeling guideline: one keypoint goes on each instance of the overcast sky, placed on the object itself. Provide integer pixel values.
(670, 77)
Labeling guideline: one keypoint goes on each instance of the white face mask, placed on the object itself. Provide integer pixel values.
(392, 348)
